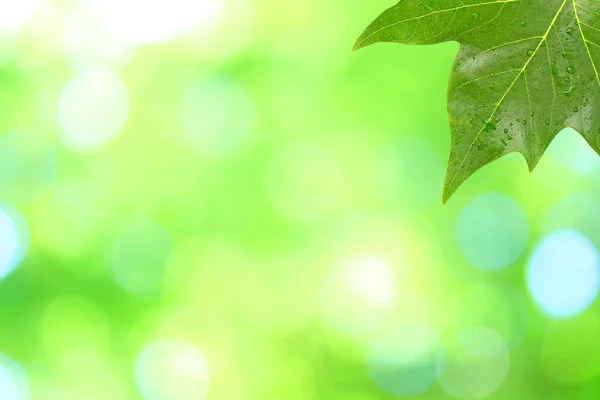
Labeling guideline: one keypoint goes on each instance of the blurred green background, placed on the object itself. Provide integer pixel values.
(217, 199)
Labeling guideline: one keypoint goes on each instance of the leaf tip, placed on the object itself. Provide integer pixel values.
(359, 44)
(446, 195)
(451, 183)
(365, 39)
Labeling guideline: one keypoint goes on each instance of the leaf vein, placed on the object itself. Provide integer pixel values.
(552, 23)
(463, 6)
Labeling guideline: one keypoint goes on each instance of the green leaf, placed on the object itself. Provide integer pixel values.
(526, 69)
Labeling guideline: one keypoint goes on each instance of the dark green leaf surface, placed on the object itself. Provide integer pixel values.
(525, 70)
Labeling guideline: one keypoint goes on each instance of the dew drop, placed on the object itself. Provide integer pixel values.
(569, 91)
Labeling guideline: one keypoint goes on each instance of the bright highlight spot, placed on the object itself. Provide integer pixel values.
(358, 296)
(13, 240)
(140, 257)
(492, 231)
(563, 274)
(13, 382)
(137, 22)
(475, 366)
(171, 370)
(86, 42)
(92, 109)
(216, 116)
(15, 13)
(402, 361)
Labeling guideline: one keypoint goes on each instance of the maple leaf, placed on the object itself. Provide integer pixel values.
(525, 70)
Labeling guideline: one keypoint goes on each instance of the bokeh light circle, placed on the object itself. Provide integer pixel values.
(475, 366)
(563, 274)
(403, 360)
(358, 295)
(172, 370)
(13, 14)
(216, 116)
(14, 239)
(492, 231)
(137, 22)
(86, 42)
(92, 109)
(13, 381)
